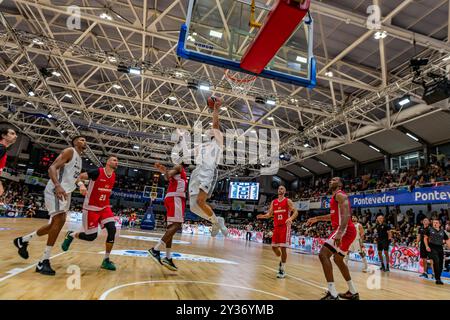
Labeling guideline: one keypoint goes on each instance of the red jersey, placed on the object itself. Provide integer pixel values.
(334, 210)
(280, 212)
(177, 185)
(3, 157)
(99, 190)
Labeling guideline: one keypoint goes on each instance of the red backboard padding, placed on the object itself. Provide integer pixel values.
(281, 22)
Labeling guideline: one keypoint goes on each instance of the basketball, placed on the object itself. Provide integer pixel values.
(213, 102)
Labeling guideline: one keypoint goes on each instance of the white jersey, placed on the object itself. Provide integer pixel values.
(208, 155)
(68, 174)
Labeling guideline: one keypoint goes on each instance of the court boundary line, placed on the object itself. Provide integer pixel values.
(27, 268)
(127, 236)
(105, 294)
(298, 279)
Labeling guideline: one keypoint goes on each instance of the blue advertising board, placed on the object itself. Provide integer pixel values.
(418, 196)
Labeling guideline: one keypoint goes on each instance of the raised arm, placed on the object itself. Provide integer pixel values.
(218, 136)
(60, 161)
(168, 173)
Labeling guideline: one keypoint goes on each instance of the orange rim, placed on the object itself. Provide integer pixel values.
(237, 80)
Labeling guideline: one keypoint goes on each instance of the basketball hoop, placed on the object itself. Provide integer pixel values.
(240, 82)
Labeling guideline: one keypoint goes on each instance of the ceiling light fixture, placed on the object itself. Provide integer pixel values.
(412, 136)
(380, 35)
(323, 163)
(374, 148)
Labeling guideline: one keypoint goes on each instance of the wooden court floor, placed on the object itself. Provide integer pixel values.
(242, 271)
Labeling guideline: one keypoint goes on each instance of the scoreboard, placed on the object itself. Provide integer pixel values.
(244, 190)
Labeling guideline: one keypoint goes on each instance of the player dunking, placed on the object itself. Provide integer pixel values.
(7, 138)
(358, 245)
(280, 209)
(63, 173)
(97, 208)
(337, 245)
(204, 177)
(175, 203)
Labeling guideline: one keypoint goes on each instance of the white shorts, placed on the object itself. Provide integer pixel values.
(54, 205)
(356, 246)
(203, 179)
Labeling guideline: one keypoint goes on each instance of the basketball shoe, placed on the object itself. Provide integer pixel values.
(168, 263)
(156, 255)
(22, 246)
(67, 241)
(223, 228)
(108, 265)
(43, 267)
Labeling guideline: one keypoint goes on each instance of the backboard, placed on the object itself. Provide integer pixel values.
(217, 32)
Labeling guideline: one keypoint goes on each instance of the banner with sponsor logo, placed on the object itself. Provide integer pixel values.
(402, 257)
(302, 205)
(403, 197)
(325, 203)
(419, 196)
(36, 181)
(242, 206)
(221, 206)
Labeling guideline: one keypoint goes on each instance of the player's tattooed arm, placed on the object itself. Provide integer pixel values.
(294, 211)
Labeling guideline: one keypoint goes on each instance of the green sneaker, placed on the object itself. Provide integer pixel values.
(108, 265)
(67, 241)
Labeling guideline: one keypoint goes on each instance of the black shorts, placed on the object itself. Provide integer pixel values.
(383, 245)
(424, 254)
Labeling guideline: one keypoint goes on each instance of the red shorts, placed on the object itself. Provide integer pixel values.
(175, 209)
(92, 218)
(281, 236)
(346, 241)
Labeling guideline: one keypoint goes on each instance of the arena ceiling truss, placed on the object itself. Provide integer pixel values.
(134, 115)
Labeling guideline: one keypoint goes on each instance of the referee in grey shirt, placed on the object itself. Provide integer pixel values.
(434, 242)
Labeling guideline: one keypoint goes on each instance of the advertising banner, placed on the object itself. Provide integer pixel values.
(419, 196)
(302, 205)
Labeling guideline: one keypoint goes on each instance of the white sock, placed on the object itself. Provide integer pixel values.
(107, 255)
(28, 237)
(364, 260)
(283, 265)
(351, 287)
(47, 252)
(161, 245)
(332, 289)
(346, 259)
(169, 253)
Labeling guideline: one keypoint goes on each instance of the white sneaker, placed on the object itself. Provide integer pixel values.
(281, 274)
(214, 229)
(365, 270)
(223, 228)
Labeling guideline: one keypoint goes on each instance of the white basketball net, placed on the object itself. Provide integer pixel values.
(240, 83)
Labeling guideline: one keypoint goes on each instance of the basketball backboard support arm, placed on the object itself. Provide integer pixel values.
(208, 53)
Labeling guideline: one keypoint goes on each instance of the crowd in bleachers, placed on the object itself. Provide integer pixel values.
(18, 201)
(432, 174)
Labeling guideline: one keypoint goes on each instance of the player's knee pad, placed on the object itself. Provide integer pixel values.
(88, 237)
(111, 228)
